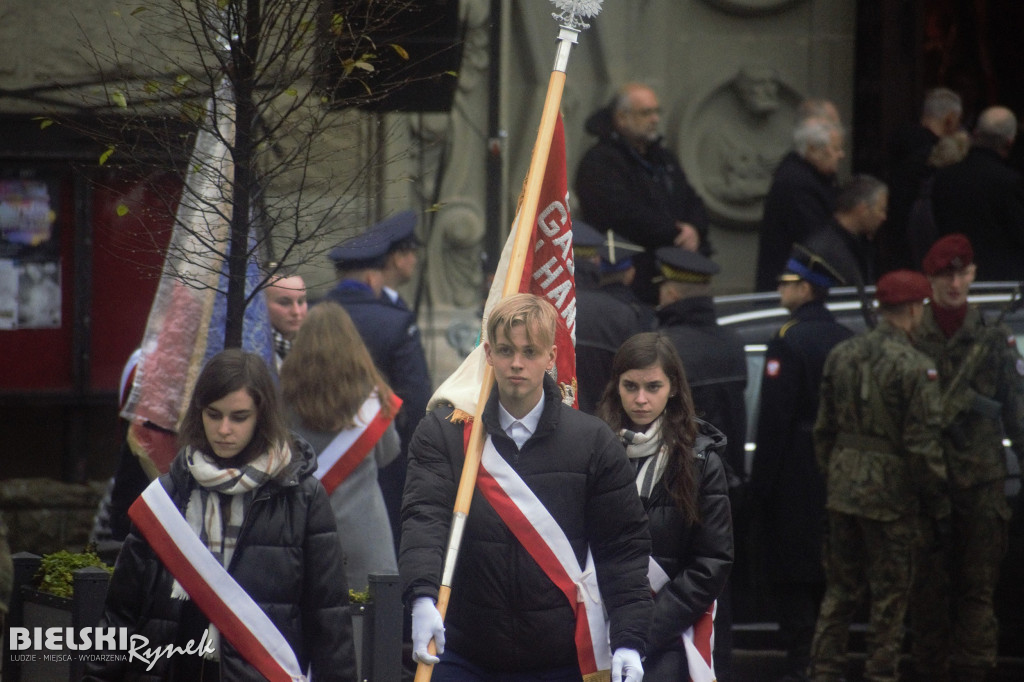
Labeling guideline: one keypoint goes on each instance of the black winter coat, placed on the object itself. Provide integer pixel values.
(909, 152)
(697, 557)
(849, 254)
(982, 196)
(505, 614)
(638, 197)
(852, 257)
(605, 317)
(716, 369)
(800, 202)
(785, 478)
(288, 559)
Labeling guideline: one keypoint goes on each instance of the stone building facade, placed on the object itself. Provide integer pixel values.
(463, 176)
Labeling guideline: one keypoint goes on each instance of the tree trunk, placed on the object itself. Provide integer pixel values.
(243, 60)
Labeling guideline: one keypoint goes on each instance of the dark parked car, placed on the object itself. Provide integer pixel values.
(756, 317)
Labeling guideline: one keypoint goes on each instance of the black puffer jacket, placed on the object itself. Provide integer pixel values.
(505, 614)
(288, 559)
(697, 558)
(639, 197)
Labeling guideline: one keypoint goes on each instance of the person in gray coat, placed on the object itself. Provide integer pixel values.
(337, 400)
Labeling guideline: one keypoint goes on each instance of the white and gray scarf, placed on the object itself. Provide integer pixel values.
(647, 452)
(217, 506)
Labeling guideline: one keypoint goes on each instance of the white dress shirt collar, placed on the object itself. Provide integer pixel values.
(520, 430)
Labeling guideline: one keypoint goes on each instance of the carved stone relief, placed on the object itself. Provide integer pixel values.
(732, 138)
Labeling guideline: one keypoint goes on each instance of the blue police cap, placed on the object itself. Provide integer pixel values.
(804, 264)
(585, 239)
(366, 250)
(679, 265)
(617, 253)
(400, 231)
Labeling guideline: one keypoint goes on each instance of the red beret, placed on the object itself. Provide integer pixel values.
(902, 286)
(951, 252)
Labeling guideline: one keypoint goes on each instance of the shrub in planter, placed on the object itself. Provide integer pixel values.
(56, 570)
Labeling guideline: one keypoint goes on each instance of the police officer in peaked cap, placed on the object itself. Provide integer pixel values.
(390, 334)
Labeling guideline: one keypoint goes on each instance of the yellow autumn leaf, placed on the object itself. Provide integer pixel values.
(106, 155)
(119, 99)
(349, 65)
(122, 210)
(399, 50)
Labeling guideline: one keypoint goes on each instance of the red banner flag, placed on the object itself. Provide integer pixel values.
(548, 273)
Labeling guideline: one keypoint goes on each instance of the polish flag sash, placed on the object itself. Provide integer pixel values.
(543, 538)
(211, 587)
(699, 638)
(351, 446)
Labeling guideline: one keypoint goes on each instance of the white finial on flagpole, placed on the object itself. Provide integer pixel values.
(571, 18)
(573, 12)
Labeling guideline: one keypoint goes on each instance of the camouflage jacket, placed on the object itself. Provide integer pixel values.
(878, 425)
(973, 438)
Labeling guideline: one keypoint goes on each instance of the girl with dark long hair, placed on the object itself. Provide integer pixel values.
(241, 489)
(681, 482)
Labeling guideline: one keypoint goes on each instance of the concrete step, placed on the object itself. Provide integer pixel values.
(767, 665)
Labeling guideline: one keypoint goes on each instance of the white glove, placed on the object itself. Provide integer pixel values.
(626, 666)
(427, 624)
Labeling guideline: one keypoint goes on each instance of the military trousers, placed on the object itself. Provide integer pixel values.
(952, 614)
(880, 555)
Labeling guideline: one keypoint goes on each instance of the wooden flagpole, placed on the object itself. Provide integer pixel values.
(571, 17)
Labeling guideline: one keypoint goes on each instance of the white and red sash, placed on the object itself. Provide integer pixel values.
(215, 592)
(699, 638)
(541, 536)
(351, 446)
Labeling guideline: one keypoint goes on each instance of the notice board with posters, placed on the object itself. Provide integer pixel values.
(36, 261)
(30, 276)
(121, 242)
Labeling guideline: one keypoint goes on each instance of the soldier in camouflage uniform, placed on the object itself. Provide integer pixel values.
(877, 438)
(953, 624)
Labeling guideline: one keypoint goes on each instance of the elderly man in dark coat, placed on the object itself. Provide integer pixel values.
(629, 183)
(983, 198)
(802, 195)
(909, 168)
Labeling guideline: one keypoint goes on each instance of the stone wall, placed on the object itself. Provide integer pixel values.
(45, 516)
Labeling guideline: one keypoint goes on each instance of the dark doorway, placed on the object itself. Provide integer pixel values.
(905, 47)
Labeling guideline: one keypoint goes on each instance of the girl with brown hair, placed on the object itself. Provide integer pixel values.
(272, 598)
(338, 401)
(681, 482)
